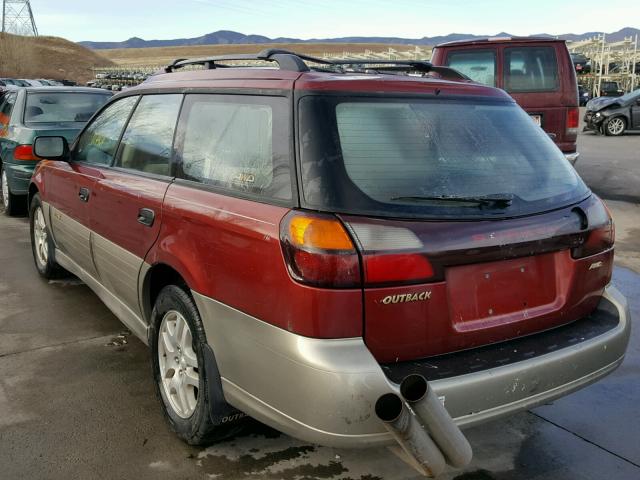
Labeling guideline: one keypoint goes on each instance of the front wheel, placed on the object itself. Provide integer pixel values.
(182, 373)
(42, 245)
(615, 126)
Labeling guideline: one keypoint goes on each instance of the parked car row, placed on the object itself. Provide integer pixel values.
(329, 250)
(40, 82)
(117, 81)
(107, 86)
(582, 65)
(123, 75)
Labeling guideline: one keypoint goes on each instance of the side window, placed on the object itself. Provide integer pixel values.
(239, 143)
(97, 144)
(530, 69)
(478, 65)
(6, 108)
(147, 142)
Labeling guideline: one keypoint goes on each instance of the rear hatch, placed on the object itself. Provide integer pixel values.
(470, 226)
(438, 287)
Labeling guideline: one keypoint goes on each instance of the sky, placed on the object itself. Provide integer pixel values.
(117, 20)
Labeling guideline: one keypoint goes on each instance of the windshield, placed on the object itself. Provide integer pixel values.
(418, 158)
(61, 107)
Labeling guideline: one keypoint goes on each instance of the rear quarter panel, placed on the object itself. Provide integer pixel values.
(229, 249)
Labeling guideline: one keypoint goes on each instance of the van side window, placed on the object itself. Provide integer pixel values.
(147, 142)
(234, 143)
(530, 69)
(478, 65)
(97, 144)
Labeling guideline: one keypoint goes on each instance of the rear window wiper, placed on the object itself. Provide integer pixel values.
(499, 200)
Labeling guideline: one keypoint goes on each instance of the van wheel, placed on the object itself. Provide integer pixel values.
(615, 126)
(42, 245)
(181, 373)
(11, 202)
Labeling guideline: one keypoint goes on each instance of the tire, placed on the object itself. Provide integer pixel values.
(42, 245)
(199, 416)
(615, 126)
(13, 204)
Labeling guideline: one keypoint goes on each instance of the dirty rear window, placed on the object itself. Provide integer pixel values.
(397, 157)
(62, 107)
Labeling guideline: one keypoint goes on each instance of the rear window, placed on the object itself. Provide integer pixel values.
(401, 157)
(530, 69)
(62, 107)
(478, 65)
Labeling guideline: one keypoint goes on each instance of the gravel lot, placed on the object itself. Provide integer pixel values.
(77, 401)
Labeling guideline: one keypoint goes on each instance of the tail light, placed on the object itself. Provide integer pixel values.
(573, 120)
(599, 239)
(25, 153)
(391, 255)
(318, 251)
(396, 268)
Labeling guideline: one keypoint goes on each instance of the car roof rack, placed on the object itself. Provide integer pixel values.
(296, 62)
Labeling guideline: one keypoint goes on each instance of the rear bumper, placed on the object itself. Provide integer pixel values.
(323, 391)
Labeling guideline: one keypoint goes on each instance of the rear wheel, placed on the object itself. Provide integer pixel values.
(11, 202)
(180, 371)
(615, 126)
(42, 244)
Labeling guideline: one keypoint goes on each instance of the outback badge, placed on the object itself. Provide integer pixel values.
(407, 297)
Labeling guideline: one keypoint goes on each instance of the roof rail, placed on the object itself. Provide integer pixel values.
(286, 60)
(296, 62)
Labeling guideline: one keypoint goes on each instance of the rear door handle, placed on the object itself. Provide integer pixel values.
(146, 216)
(84, 194)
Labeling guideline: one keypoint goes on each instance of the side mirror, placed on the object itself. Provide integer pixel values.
(51, 148)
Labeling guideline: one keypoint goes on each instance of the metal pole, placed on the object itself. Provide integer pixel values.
(33, 22)
(4, 14)
(601, 67)
(633, 65)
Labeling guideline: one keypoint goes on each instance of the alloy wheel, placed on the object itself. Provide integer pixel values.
(615, 126)
(40, 237)
(178, 364)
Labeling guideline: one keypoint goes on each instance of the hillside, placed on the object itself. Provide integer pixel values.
(164, 55)
(227, 37)
(47, 57)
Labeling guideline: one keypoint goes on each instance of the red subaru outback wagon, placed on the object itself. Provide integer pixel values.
(322, 244)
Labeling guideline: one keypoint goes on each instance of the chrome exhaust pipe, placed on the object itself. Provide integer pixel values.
(445, 433)
(408, 432)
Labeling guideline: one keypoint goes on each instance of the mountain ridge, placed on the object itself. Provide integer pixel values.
(229, 37)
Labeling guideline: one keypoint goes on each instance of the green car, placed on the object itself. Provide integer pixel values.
(28, 112)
